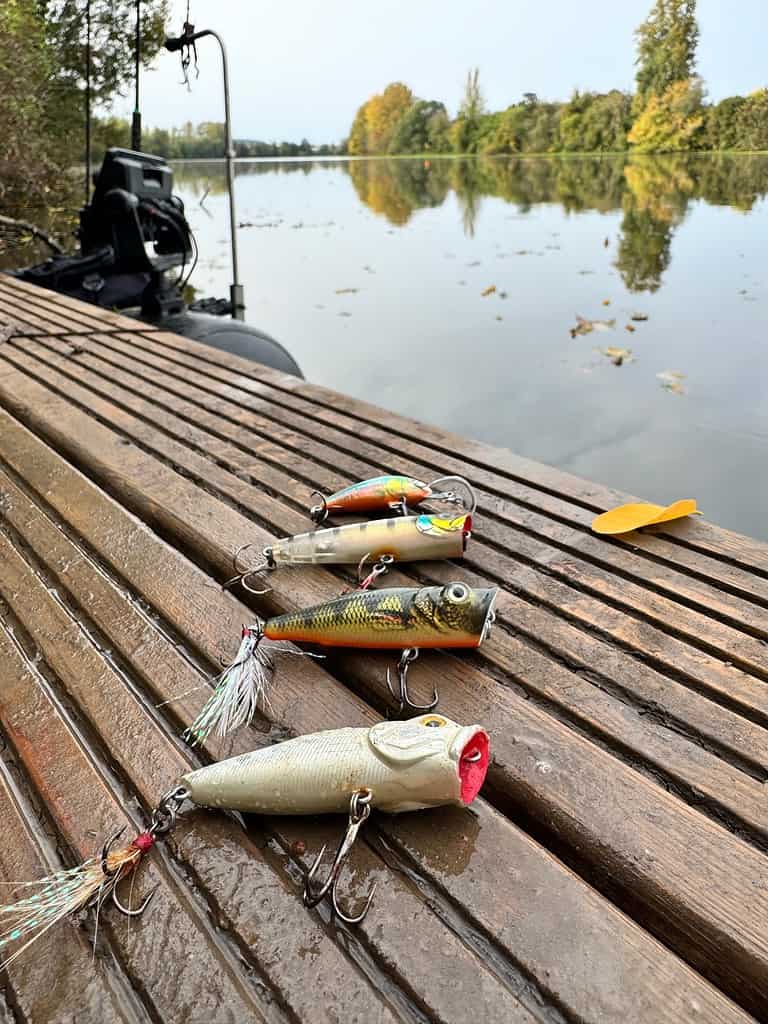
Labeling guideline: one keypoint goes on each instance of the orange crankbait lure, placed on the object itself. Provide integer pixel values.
(399, 618)
(398, 539)
(387, 493)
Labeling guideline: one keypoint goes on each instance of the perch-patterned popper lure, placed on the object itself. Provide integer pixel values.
(399, 618)
(393, 766)
(387, 493)
(397, 539)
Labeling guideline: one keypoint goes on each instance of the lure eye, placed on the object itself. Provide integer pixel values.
(433, 721)
(458, 593)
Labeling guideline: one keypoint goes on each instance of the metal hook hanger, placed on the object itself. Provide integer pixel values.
(319, 513)
(249, 570)
(451, 497)
(379, 569)
(359, 809)
(402, 697)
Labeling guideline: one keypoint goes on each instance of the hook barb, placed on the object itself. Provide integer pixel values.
(130, 911)
(402, 697)
(359, 809)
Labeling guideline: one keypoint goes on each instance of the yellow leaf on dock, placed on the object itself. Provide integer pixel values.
(637, 514)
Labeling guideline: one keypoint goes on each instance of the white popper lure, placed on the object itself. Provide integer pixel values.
(393, 766)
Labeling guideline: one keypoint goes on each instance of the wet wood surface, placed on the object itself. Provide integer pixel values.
(616, 866)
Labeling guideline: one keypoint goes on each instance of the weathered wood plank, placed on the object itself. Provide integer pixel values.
(81, 316)
(635, 815)
(180, 393)
(80, 800)
(726, 682)
(563, 956)
(152, 762)
(83, 985)
(723, 679)
(697, 534)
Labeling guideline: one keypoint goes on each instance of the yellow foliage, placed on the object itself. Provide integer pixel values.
(671, 121)
(377, 119)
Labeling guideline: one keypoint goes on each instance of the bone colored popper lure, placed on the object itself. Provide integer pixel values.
(388, 493)
(399, 618)
(397, 539)
(393, 766)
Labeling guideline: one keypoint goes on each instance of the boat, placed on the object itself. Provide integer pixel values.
(137, 253)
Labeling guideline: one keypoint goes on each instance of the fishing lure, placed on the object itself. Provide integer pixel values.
(388, 493)
(393, 766)
(399, 539)
(404, 618)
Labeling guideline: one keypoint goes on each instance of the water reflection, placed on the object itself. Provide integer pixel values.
(653, 193)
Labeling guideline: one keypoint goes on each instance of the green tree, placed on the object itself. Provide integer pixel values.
(752, 121)
(26, 63)
(666, 48)
(423, 128)
(722, 128)
(112, 58)
(466, 127)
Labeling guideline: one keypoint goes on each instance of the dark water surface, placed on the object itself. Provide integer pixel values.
(680, 240)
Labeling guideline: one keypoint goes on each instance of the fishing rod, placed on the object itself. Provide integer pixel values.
(136, 121)
(174, 45)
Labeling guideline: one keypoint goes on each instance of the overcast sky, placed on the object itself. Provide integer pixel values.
(301, 69)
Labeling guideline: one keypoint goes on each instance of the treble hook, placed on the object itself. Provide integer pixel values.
(403, 698)
(379, 569)
(450, 496)
(359, 809)
(114, 874)
(252, 570)
(319, 513)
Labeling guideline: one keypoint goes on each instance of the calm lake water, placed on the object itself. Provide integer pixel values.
(372, 274)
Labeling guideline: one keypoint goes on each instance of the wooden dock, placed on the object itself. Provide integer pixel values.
(616, 868)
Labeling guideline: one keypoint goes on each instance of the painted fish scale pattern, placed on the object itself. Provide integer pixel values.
(361, 618)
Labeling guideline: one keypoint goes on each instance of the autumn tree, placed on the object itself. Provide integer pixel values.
(377, 119)
(670, 122)
(666, 48)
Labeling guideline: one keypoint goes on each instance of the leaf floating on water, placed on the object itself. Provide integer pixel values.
(344, 313)
(347, 291)
(638, 514)
(586, 271)
(523, 252)
(618, 356)
(499, 317)
(489, 290)
(606, 302)
(607, 242)
(639, 316)
(630, 328)
(672, 380)
(584, 326)
(503, 295)
(474, 263)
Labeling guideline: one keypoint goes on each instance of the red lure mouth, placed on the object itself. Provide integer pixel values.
(473, 765)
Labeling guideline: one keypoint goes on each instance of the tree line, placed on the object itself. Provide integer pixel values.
(667, 112)
(196, 142)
